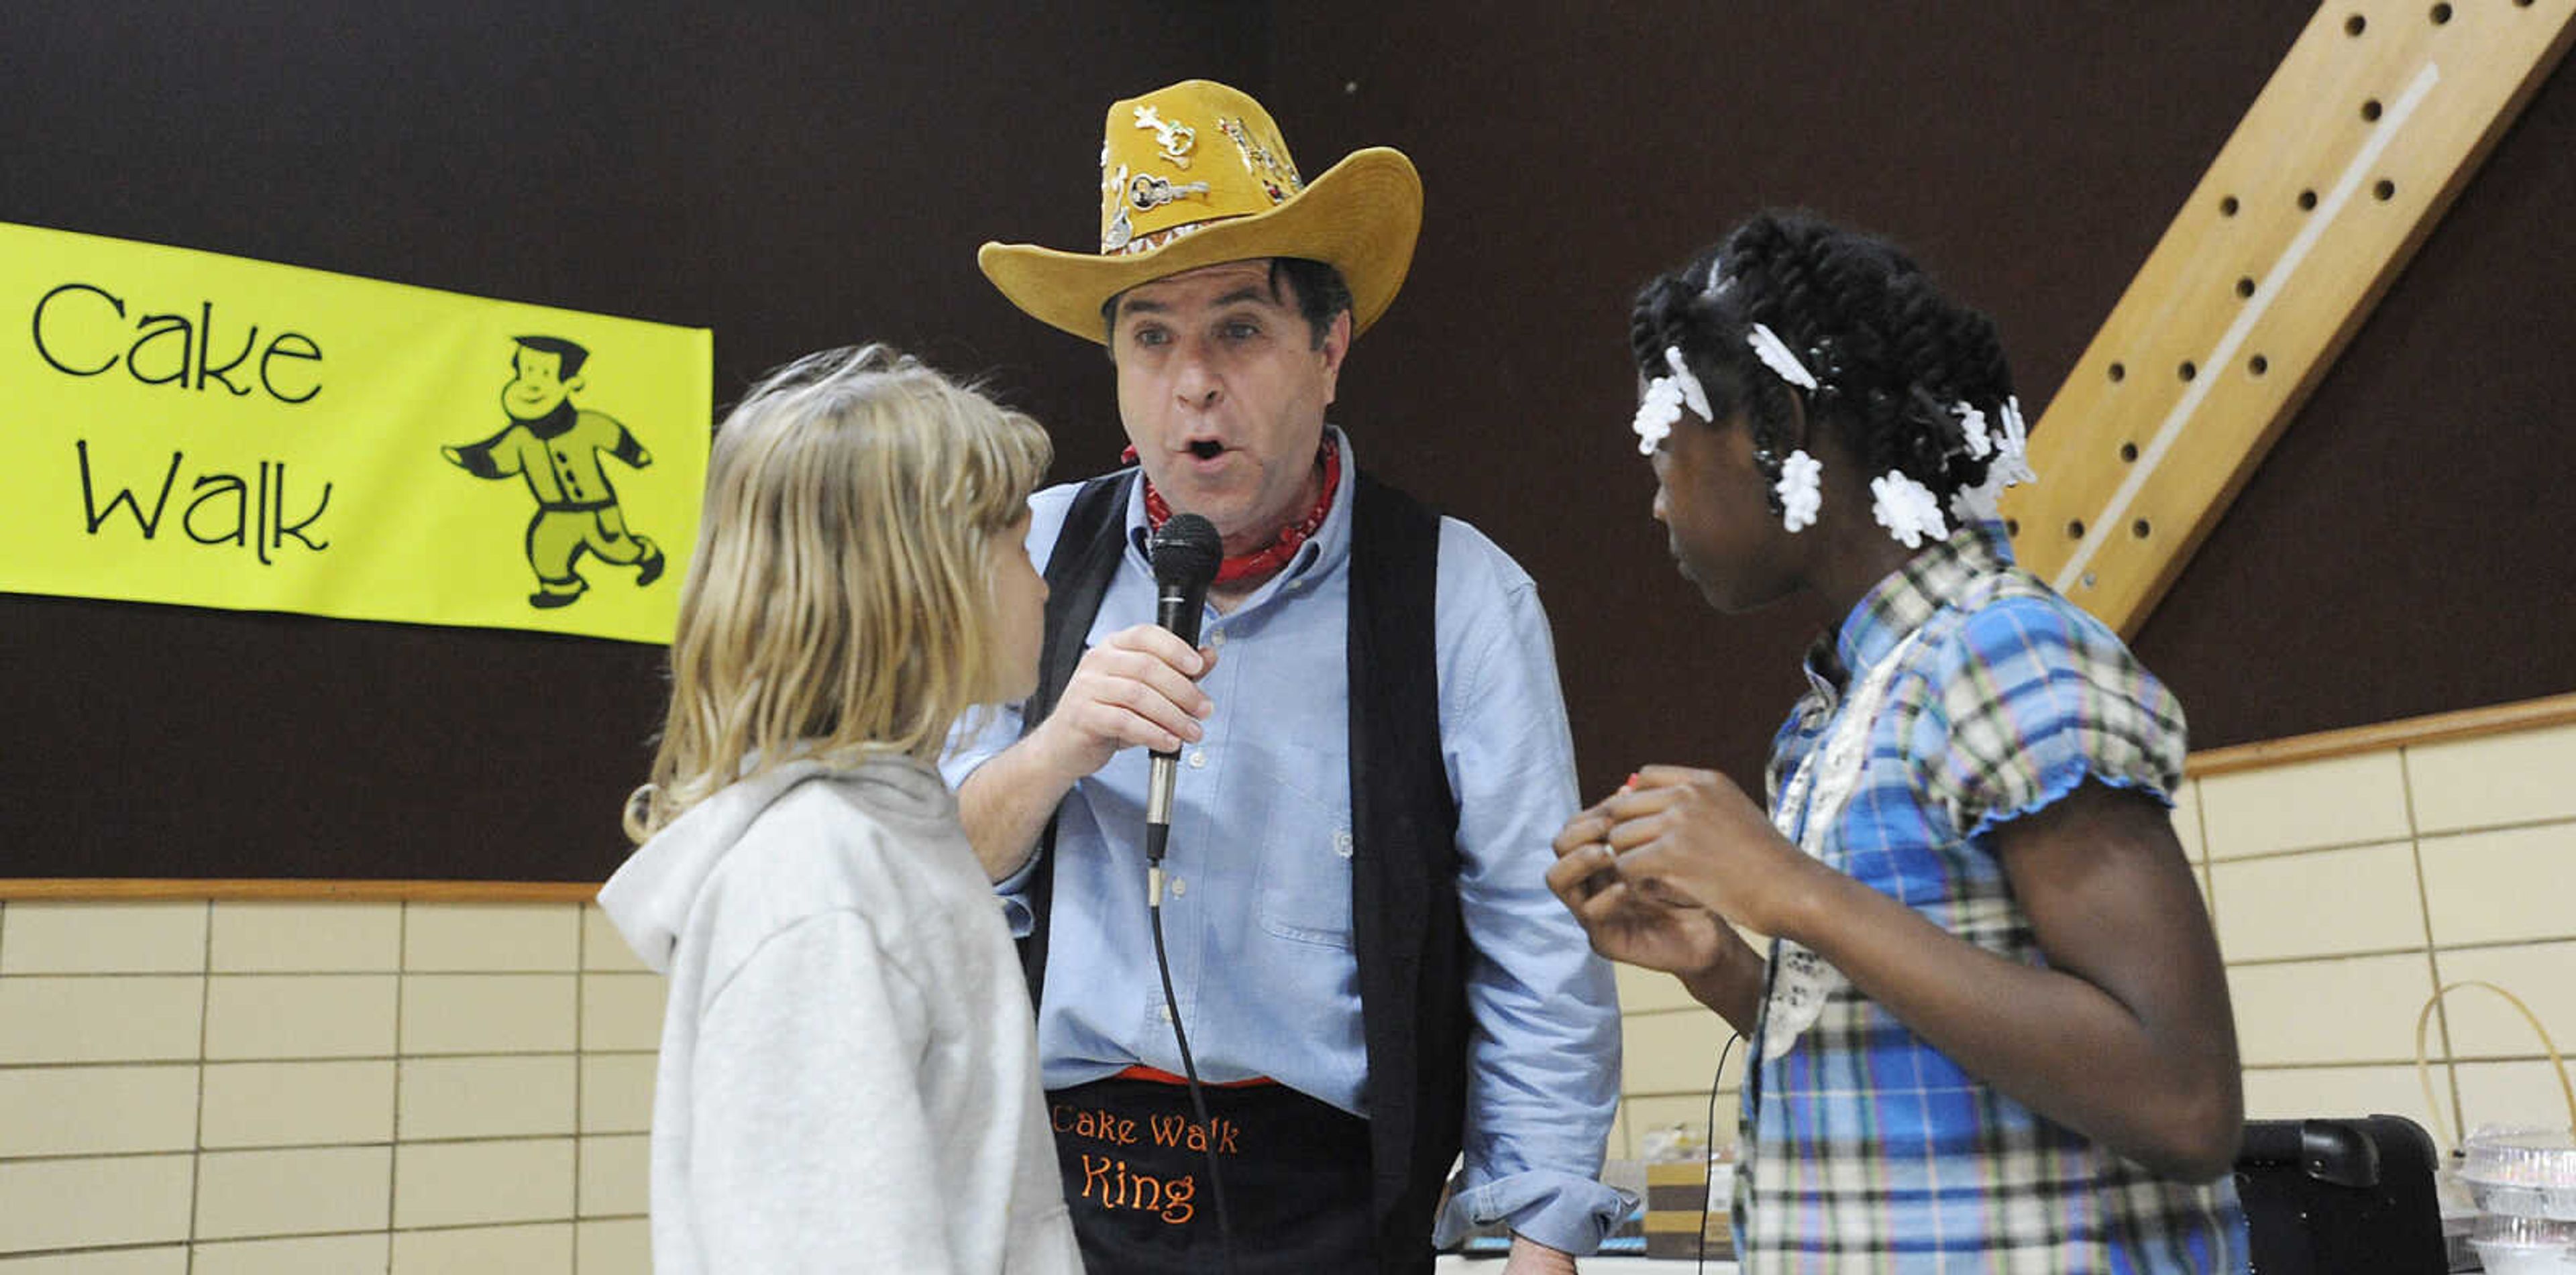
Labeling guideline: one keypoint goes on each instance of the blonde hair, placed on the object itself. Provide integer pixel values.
(840, 603)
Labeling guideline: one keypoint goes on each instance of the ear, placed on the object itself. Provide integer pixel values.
(1337, 345)
(574, 383)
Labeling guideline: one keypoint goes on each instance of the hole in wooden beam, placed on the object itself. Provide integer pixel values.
(2355, 24)
(2245, 286)
(2258, 365)
(2129, 452)
(2383, 189)
(2075, 529)
(2188, 369)
(2119, 372)
(2370, 109)
(2307, 200)
(2140, 529)
(2441, 14)
(2227, 206)
(2012, 526)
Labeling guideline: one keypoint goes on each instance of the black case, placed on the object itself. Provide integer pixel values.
(2341, 1197)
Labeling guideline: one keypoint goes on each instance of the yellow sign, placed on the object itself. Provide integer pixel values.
(181, 427)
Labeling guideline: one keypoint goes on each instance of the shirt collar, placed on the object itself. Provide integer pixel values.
(1331, 542)
(1932, 579)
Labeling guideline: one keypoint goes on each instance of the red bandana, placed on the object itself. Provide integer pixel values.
(1291, 537)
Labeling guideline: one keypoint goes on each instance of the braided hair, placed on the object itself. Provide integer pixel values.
(1892, 356)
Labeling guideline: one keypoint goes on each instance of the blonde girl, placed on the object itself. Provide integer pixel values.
(847, 1078)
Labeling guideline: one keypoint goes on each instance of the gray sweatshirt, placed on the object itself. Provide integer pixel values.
(848, 1076)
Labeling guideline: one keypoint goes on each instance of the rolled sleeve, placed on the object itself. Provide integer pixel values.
(983, 735)
(1544, 1064)
(1012, 892)
(1567, 1213)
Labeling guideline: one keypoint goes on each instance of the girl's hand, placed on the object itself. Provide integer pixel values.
(1691, 838)
(1625, 925)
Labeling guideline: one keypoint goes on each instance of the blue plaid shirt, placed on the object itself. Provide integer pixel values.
(1866, 1147)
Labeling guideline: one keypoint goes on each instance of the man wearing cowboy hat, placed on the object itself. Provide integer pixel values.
(1373, 758)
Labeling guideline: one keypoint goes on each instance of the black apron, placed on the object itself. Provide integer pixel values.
(1135, 1162)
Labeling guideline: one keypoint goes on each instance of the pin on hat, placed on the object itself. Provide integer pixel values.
(1196, 174)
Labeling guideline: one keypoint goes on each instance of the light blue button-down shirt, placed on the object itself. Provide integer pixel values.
(1257, 911)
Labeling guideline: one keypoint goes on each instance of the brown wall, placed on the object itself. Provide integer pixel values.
(798, 183)
(2403, 551)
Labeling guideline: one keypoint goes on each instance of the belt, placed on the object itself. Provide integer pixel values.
(1157, 1075)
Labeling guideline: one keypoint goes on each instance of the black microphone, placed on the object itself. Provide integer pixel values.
(1185, 552)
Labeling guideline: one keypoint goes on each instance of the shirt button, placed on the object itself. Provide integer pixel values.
(1179, 887)
(1342, 842)
(1162, 1013)
(1217, 638)
(1198, 759)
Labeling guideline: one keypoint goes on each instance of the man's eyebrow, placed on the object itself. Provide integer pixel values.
(1250, 292)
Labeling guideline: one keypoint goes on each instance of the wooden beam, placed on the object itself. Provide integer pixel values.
(2374, 122)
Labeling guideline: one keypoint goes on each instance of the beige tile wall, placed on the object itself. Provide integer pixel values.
(200, 1088)
(279, 1088)
(2344, 892)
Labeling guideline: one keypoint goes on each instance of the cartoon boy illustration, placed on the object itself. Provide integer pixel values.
(556, 447)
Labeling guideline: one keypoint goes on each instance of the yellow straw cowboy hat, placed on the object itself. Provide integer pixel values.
(1196, 174)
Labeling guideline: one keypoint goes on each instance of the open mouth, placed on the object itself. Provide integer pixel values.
(1207, 449)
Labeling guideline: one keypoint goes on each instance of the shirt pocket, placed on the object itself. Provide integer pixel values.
(1304, 886)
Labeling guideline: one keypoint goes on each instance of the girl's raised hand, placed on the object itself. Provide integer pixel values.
(1691, 838)
(1623, 924)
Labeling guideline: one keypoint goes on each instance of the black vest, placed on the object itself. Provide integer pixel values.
(1405, 924)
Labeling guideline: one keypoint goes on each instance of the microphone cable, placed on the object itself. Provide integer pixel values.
(1181, 1038)
(1709, 1153)
(1185, 553)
